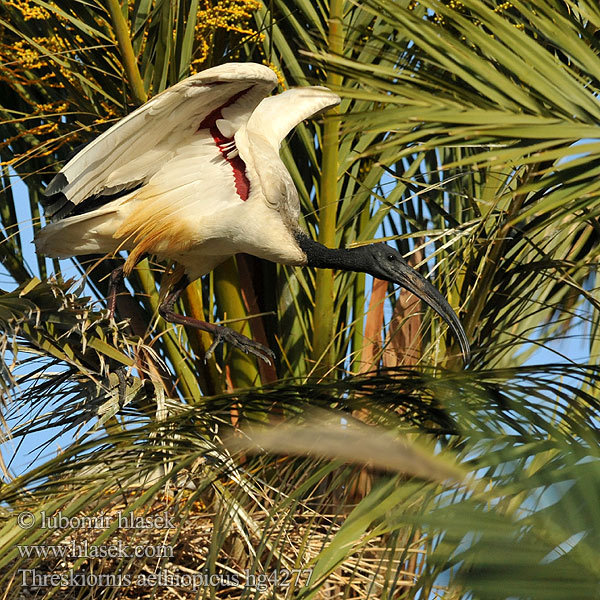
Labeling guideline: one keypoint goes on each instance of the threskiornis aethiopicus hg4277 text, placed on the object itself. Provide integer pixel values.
(194, 176)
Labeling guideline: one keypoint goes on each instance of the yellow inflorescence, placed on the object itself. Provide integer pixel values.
(277, 70)
(28, 10)
(27, 56)
(459, 7)
(53, 107)
(109, 112)
(233, 16)
(502, 7)
(32, 66)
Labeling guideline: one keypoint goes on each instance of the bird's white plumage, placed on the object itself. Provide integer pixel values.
(202, 161)
(277, 115)
(265, 134)
(195, 176)
(134, 147)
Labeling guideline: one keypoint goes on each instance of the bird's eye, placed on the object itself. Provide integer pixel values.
(391, 257)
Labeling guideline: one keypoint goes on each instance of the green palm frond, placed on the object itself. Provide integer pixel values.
(499, 468)
(468, 136)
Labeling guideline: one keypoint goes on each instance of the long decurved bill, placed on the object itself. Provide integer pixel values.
(411, 280)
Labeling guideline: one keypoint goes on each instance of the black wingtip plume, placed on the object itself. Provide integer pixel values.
(58, 184)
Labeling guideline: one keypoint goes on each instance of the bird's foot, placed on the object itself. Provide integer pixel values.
(224, 334)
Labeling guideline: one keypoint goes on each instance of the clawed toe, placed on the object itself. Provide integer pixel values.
(221, 333)
(224, 334)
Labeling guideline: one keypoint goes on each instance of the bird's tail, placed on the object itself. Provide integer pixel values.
(81, 234)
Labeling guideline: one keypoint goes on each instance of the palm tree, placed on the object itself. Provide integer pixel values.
(468, 135)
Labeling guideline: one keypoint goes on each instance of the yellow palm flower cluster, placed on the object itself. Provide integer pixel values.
(502, 8)
(277, 71)
(28, 9)
(28, 76)
(232, 16)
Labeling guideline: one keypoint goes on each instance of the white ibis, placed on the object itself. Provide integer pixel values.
(194, 176)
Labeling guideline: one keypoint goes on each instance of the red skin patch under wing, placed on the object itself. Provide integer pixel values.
(242, 185)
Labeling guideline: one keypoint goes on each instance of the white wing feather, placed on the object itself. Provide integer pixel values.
(262, 135)
(138, 145)
(277, 115)
(172, 180)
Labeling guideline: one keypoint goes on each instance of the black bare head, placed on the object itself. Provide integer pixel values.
(384, 262)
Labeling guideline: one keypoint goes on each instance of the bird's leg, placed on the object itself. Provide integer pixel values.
(115, 284)
(220, 332)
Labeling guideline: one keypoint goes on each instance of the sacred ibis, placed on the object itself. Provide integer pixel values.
(194, 176)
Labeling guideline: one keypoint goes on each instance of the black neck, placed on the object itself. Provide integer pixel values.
(321, 257)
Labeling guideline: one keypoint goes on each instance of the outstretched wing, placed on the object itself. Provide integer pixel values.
(126, 156)
(266, 128)
(277, 115)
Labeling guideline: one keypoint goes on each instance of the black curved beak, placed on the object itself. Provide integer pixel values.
(386, 263)
(411, 280)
